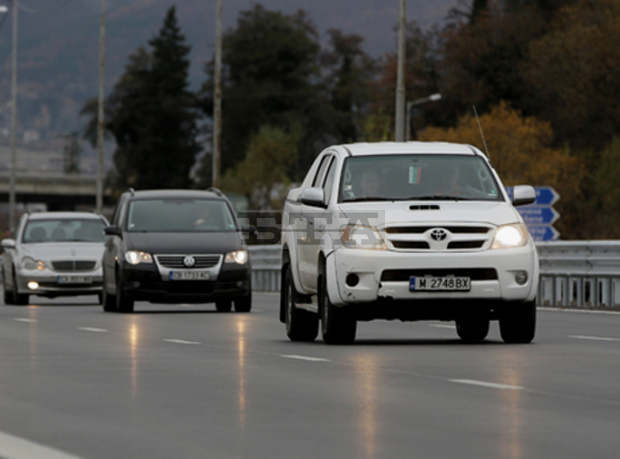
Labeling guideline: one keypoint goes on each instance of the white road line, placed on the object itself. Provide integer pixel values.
(581, 311)
(492, 385)
(594, 338)
(452, 327)
(16, 447)
(180, 341)
(24, 319)
(93, 329)
(303, 357)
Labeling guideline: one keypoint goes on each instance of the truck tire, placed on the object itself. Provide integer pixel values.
(472, 329)
(338, 326)
(301, 325)
(517, 322)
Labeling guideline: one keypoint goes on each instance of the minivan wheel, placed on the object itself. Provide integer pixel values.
(517, 322)
(123, 302)
(301, 325)
(338, 326)
(472, 329)
(223, 306)
(108, 302)
(244, 303)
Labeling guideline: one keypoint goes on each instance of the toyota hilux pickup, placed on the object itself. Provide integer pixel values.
(409, 231)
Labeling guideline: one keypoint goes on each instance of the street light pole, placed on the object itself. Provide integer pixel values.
(12, 210)
(100, 110)
(217, 98)
(400, 85)
(412, 103)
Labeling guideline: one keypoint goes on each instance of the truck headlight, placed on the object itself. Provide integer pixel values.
(509, 236)
(31, 264)
(134, 257)
(362, 237)
(238, 256)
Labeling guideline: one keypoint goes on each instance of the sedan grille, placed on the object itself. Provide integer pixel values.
(176, 261)
(73, 265)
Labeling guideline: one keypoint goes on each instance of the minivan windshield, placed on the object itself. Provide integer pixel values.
(417, 177)
(184, 215)
(63, 230)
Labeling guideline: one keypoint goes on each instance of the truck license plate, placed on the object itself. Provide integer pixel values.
(439, 284)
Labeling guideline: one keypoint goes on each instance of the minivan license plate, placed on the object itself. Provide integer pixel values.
(439, 284)
(189, 275)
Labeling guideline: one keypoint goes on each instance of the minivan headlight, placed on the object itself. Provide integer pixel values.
(134, 257)
(509, 236)
(238, 256)
(362, 237)
(31, 264)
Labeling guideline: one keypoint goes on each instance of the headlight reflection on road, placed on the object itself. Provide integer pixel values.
(366, 384)
(133, 349)
(509, 374)
(33, 339)
(241, 356)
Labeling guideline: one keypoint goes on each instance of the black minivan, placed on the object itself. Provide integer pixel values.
(175, 246)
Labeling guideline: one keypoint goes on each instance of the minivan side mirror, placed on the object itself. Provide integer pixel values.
(8, 243)
(523, 194)
(113, 231)
(313, 197)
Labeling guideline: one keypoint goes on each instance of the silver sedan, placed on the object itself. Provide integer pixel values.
(54, 254)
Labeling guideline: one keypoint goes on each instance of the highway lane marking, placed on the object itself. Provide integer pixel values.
(580, 311)
(180, 341)
(452, 327)
(12, 446)
(304, 357)
(24, 319)
(93, 329)
(492, 385)
(594, 338)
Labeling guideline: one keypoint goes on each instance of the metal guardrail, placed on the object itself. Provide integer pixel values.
(572, 273)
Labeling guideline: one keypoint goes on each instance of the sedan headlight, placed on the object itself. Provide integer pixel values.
(134, 257)
(31, 264)
(362, 237)
(238, 256)
(510, 236)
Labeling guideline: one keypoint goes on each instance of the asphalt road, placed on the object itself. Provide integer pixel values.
(184, 381)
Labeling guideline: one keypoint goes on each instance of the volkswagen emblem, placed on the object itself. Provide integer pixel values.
(189, 261)
(439, 234)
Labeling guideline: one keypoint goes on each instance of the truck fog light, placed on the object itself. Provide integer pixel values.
(352, 279)
(32, 285)
(521, 277)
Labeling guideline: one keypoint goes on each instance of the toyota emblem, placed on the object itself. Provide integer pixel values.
(439, 234)
(189, 261)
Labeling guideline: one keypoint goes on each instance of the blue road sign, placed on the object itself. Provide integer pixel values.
(543, 232)
(545, 195)
(538, 215)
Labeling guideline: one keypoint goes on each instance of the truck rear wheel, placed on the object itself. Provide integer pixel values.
(301, 325)
(472, 329)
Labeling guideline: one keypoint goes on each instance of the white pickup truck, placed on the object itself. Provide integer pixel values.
(409, 231)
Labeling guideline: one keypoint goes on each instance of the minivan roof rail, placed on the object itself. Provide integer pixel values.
(216, 191)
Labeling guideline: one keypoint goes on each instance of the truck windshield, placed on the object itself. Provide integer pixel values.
(417, 177)
(179, 216)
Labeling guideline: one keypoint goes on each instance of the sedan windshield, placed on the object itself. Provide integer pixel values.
(63, 230)
(417, 177)
(179, 215)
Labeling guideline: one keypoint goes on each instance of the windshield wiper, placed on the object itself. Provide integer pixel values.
(436, 197)
(368, 198)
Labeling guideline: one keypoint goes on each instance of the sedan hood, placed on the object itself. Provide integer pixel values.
(382, 213)
(184, 243)
(63, 250)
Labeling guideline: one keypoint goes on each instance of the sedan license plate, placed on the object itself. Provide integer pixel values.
(75, 280)
(439, 284)
(189, 275)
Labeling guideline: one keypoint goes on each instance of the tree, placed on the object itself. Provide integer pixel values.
(521, 150)
(271, 76)
(152, 115)
(262, 176)
(574, 73)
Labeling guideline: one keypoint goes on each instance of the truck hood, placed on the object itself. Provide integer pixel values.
(383, 213)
